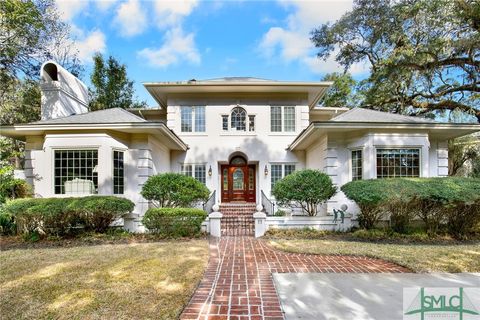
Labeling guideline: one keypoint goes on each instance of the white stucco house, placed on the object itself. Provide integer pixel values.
(236, 135)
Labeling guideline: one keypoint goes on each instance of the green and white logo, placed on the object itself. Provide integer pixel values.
(441, 303)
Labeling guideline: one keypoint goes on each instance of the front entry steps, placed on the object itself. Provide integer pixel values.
(237, 219)
(238, 209)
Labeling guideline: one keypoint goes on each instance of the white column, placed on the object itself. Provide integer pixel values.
(260, 222)
(215, 219)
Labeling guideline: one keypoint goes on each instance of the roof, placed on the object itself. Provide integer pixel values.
(367, 115)
(114, 115)
(312, 91)
(363, 120)
(115, 119)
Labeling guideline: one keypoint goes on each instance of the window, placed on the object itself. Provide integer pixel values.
(398, 163)
(251, 123)
(76, 171)
(198, 171)
(118, 173)
(225, 123)
(276, 119)
(282, 119)
(279, 171)
(192, 119)
(238, 119)
(357, 165)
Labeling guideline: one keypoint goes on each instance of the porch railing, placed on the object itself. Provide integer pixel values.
(207, 206)
(268, 205)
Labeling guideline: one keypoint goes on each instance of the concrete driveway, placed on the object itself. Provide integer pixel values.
(357, 296)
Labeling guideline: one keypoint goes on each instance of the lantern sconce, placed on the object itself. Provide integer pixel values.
(265, 171)
(210, 171)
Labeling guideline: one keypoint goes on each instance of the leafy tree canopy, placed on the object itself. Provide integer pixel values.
(424, 55)
(111, 86)
(342, 92)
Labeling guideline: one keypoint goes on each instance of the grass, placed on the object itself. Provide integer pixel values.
(110, 281)
(417, 257)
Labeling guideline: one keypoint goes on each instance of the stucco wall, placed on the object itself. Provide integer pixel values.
(213, 147)
(144, 156)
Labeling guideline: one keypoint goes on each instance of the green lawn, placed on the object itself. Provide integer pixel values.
(417, 257)
(115, 281)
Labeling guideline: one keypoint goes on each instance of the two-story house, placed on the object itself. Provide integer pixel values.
(237, 135)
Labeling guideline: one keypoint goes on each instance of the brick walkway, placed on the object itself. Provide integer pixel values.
(238, 283)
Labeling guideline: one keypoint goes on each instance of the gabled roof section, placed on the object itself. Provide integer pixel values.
(114, 115)
(163, 91)
(367, 115)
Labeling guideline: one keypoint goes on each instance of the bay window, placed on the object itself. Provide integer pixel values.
(75, 171)
(394, 163)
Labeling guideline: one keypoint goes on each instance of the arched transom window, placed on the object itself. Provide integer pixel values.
(239, 121)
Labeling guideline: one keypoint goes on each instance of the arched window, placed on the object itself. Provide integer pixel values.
(238, 119)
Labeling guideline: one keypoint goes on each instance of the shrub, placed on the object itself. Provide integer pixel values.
(369, 196)
(97, 213)
(61, 216)
(174, 190)
(10, 187)
(306, 189)
(174, 222)
(7, 223)
(463, 219)
(433, 200)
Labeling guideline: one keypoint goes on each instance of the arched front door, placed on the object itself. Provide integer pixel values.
(238, 181)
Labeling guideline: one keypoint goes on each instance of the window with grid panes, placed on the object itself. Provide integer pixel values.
(75, 171)
(197, 171)
(192, 119)
(118, 172)
(357, 165)
(393, 163)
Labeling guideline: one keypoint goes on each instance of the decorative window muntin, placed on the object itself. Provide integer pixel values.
(398, 162)
(357, 167)
(118, 172)
(238, 119)
(238, 179)
(74, 167)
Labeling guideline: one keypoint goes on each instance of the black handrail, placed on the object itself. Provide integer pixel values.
(268, 205)
(207, 206)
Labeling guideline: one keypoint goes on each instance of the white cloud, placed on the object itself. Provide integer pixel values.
(291, 42)
(70, 8)
(131, 18)
(177, 47)
(104, 5)
(88, 45)
(170, 13)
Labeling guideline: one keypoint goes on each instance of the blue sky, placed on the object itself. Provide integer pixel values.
(180, 40)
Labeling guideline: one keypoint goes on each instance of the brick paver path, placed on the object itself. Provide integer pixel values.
(238, 283)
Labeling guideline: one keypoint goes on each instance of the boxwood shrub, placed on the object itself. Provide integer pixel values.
(453, 202)
(62, 216)
(174, 222)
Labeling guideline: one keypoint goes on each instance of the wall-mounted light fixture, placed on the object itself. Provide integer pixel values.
(265, 171)
(210, 171)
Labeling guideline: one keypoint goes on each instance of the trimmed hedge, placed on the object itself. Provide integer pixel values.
(174, 190)
(174, 222)
(453, 202)
(61, 216)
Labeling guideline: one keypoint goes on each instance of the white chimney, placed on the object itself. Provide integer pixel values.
(63, 94)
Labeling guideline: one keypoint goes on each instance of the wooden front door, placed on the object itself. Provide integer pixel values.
(238, 183)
